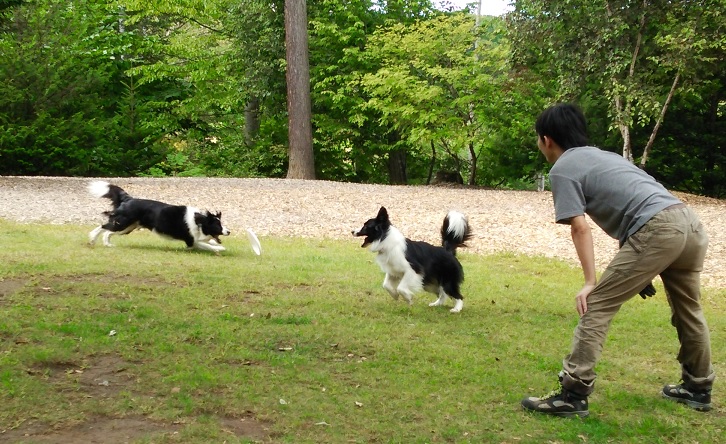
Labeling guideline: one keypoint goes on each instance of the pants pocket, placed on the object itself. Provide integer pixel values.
(639, 240)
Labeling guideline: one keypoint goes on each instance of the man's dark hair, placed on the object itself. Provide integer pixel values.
(565, 124)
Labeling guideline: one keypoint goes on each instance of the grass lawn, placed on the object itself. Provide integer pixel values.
(148, 342)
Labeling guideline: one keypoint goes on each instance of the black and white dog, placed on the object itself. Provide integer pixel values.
(411, 266)
(199, 229)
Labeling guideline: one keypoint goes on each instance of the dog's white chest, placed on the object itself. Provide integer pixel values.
(393, 264)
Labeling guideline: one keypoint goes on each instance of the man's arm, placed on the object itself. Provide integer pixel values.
(582, 238)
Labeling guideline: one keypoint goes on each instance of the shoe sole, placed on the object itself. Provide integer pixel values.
(581, 413)
(695, 405)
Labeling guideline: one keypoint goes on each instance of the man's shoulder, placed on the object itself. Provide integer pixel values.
(587, 155)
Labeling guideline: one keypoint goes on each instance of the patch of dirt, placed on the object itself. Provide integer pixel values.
(98, 430)
(246, 427)
(59, 285)
(105, 377)
(8, 287)
(104, 430)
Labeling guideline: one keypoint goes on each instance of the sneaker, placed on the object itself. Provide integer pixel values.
(558, 403)
(696, 399)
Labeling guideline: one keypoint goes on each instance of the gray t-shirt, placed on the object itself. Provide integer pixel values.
(617, 195)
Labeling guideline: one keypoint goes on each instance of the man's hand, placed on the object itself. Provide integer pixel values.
(648, 291)
(581, 299)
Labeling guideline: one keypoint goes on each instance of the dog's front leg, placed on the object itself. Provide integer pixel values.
(107, 239)
(411, 283)
(209, 247)
(390, 284)
(407, 295)
(94, 234)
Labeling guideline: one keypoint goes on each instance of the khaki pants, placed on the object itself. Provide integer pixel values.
(673, 245)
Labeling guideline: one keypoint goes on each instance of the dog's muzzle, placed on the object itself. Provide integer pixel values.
(366, 242)
(225, 232)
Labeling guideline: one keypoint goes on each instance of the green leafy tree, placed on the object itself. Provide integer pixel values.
(71, 102)
(635, 54)
(52, 70)
(350, 143)
(440, 85)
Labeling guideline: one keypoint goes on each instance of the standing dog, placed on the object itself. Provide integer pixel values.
(411, 266)
(197, 228)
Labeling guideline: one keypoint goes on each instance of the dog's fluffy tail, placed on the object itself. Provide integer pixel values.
(115, 193)
(455, 231)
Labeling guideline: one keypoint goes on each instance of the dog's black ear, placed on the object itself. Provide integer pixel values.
(218, 215)
(382, 214)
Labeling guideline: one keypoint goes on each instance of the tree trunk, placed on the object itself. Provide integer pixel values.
(472, 164)
(252, 120)
(433, 162)
(301, 163)
(623, 110)
(663, 110)
(397, 167)
(624, 130)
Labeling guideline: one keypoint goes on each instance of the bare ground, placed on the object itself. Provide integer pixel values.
(513, 221)
(105, 377)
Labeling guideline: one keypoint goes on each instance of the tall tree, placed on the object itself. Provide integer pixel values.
(301, 160)
(637, 53)
(440, 82)
(67, 105)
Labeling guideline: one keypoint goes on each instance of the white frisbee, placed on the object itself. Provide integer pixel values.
(254, 242)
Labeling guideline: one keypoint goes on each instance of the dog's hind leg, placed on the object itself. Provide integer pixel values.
(451, 289)
(441, 300)
(116, 230)
(457, 306)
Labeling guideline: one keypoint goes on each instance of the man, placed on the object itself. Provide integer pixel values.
(658, 234)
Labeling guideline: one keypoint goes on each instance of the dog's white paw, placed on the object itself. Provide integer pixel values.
(458, 306)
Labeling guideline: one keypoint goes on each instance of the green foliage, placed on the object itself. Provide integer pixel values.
(72, 107)
(700, 169)
(446, 86)
(440, 85)
(198, 87)
(628, 56)
(48, 80)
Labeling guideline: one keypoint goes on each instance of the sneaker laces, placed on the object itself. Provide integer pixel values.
(555, 392)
